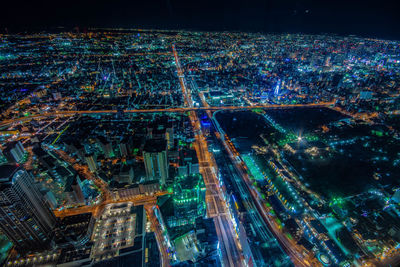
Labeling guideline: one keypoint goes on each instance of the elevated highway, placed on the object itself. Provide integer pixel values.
(66, 113)
(96, 209)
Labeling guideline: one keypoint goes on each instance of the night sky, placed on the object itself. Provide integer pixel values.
(367, 18)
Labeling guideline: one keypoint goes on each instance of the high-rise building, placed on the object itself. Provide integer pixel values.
(51, 199)
(396, 197)
(159, 133)
(155, 160)
(3, 159)
(188, 162)
(189, 196)
(91, 162)
(106, 147)
(169, 135)
(73, 191)
(77, 188)
(125, 146)
(327, 61)
(25, 218)
(14, 152)
(187, 202)
(73, 146)
(277, 88)
(365, 95)
(123, 149)
(125, 175)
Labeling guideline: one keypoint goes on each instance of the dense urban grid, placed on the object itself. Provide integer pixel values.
(177, 148)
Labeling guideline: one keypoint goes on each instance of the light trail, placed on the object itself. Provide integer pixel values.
(62, 124)
(157, 228)
(97, 208)
(44, 127)
(226, 234)
(59, 135)
(287, 246)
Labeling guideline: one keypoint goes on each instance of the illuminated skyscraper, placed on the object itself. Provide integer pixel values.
(169, 135)
(3, 159)
(123, 149)
(106, 147)
(14, 152)
(327, 61)
(25, 218)
(73, 191)
(277, 88)
(155, 160)
(189, 196)
(91, 162)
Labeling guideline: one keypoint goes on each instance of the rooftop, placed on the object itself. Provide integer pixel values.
(7, 171)
(155, 145)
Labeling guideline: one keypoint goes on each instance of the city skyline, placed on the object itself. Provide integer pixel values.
(365, 18)
(235, 146)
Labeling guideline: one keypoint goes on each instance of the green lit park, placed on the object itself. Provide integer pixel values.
(324, 166)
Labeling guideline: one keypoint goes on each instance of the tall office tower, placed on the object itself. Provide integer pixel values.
(277, 88)
(76, 147)
(125, 175)
(2, 157)
(91, 162)
(106, 147)
(189, 196)
(25, 218)
(77, 188)
(123, 148)
(327, 61)
(188, 162)
(73, 191)
(14, 152)
(155, 160)
(169, 135)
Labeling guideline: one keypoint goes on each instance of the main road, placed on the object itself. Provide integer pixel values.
(229, 245)
(291, 249)
(162, 110)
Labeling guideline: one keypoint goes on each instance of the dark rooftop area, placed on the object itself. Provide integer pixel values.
(7, 171)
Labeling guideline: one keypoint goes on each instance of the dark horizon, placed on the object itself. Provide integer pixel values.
(363, 18)
(122, 143)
